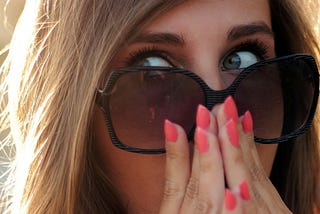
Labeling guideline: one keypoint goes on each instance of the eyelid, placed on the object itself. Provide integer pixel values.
(145, 52)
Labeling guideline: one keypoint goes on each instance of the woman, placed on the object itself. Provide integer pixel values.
(83, 146)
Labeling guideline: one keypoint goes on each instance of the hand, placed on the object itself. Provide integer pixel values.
(225, 174)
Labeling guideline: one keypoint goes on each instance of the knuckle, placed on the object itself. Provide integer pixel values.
(238, 158)
(192, 189)
(204, 206)
(171, 190)
(172, 155)
(206, 167)
(257, 173)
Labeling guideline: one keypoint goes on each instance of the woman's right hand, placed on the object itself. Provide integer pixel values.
(224, 175)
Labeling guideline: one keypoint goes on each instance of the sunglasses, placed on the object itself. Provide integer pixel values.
(281, 94)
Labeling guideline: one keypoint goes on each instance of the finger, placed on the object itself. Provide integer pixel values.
(263, 191)
(252, 158)
(211, 180)
(225, 111)
(192, 202)
(230, 140)
(177, 169)
(192, 190)
(206, 120)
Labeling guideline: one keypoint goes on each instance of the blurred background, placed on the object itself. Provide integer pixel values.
(9, 13)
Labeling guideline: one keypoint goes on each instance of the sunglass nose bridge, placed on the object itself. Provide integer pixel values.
(215, 97)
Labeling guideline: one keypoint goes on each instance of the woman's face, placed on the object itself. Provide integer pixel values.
(204, 35)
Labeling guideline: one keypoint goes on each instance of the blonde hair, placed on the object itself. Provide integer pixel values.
(59, 53)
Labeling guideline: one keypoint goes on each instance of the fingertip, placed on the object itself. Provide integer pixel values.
(230, 201)
(230, 108)
(203, 117)
(170, 131)
(233, 134)
(201, 139)
(244, 190)
(247, 122)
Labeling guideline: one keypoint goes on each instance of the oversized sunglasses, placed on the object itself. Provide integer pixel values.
(281, 94)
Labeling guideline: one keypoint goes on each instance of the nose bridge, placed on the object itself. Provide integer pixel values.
(206, 65)
(205, 62)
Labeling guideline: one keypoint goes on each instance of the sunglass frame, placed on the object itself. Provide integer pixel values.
(212, 97)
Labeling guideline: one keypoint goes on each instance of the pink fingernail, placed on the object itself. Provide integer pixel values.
(244, 190)
(247, 122)
(170, 131)
(229, 200)
(202, 140)
(203, 117)
(233, 133)
(230, 109)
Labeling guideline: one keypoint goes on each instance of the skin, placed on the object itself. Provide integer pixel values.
(185, 180)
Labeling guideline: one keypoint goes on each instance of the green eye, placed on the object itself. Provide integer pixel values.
(239, 60)
(153, 61)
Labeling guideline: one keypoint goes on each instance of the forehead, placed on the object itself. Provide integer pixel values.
(211, 16)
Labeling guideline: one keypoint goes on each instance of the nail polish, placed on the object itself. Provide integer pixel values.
(202, 140)
(244, 190)
(170, 131)
(233, 133)
(203, 117)
(230, 109)
(247, 122)
(229, 200)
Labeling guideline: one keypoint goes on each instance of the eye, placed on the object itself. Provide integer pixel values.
(239, 60)
(153, 61)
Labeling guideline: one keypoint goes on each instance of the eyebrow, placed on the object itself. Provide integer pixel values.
(162, 38)
(249, 29)
(174, 39)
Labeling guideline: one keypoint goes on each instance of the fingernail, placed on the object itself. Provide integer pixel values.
(229, 200)
(170, 131)
(244, 190)
(202, 140)
(247, 122)
(230, 109)
(233, 133)
(203, 117)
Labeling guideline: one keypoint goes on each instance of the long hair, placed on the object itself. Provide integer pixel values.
(296, 169)
(60, 52)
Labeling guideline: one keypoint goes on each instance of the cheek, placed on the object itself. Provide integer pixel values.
(267, 154)
(137, 177)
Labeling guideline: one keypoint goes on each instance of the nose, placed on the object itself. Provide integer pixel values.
(206, 65)
(213, 78)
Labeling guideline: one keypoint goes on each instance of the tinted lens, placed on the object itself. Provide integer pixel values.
(279, 95)
(141, 101)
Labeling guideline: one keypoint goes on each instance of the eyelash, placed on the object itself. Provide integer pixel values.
(255, 46)
(145, 52)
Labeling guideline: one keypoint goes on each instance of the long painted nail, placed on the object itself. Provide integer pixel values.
(203, 117)
(247, 122)
(170, 131)
(230, 200)
(202, 140)
(244, 190)
(233, 133)
(230, 109)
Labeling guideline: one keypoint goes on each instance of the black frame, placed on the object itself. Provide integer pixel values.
(212, 97)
